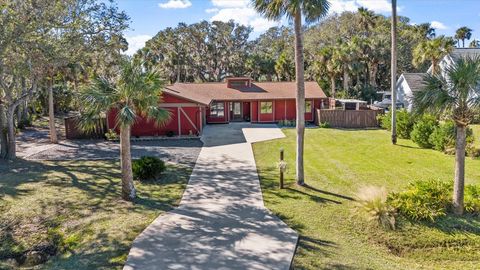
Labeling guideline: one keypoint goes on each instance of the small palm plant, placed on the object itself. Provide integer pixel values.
(134, 92)
(455, 95)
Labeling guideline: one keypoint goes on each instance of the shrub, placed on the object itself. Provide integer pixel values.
(372, 203)
(423, 200)
(423, 129)
(472, 199)
(404, 125)
(111, 135)
(443, 137)
(472, 151)
(324, 125)
(147, 168)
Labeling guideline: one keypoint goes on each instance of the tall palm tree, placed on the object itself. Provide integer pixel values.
(328, 62)
(134, 92)
(432, 50)
(463, 33)
(457, 96)
(312, 10)
(393, 71)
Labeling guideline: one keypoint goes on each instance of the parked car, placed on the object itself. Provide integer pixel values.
(386, 102)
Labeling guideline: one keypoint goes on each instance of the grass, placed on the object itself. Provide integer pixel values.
(476, 133)
(338, 163)
(77, 205)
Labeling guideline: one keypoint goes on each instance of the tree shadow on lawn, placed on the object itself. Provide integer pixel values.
(452, 224)
(78, 195)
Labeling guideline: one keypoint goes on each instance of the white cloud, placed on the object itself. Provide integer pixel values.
(241, 12)
(438, 25)
(379, 6)
(176, 4)
(339, 6)
(135, 43)
(231, 3)
(211, 10)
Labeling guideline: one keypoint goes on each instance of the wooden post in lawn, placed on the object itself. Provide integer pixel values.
(281, 169)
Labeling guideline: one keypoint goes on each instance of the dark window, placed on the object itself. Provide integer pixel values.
(217, 109)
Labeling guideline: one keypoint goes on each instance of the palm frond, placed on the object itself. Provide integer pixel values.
(271, 9)
(99, 95)
(456, 91)
(159, 115)
(126, 116)
(315, 10)
(89, 121)
(434, 97)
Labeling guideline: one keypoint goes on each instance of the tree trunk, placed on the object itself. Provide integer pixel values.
(51, 113)
(332, 85)
(346, 80)
(3, 132)
(11, 146)
(459, 184)
(434, 66)
(128, 189)
(394, 71)
(300, 80)
(373, 75)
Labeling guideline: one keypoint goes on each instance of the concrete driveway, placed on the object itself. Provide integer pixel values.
(221, 222)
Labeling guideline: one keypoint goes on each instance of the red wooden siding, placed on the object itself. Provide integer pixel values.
(189, 114)
(246, 110)
(279, 110)
(254, 111)
(291, 109)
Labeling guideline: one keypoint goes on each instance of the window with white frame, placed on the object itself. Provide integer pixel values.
(217, 109)
(308, 106)
(266, 107)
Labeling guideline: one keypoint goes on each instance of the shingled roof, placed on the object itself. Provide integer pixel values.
(205, 93)
(414, 80)
(458, 53)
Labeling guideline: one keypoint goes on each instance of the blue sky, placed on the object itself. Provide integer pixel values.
(150, 16)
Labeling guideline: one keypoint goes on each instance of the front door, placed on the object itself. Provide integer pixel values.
(236, 111)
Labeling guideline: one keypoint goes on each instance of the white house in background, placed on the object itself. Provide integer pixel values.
(406, 85)
(411, 82)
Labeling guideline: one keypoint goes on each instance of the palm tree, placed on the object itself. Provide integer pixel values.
(424, 30)
(312, 10)
(328, 63)
(134, 92)
(432, 50)
(474, 44)
(393, 71)
(463, 33)
(367, 19)
(457, 96)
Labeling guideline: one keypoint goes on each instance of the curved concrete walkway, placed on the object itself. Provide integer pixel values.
(221, 222)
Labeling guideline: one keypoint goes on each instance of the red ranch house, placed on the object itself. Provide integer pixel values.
(192, 105)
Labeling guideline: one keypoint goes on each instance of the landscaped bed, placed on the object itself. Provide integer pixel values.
(72, 212)
(338, 163)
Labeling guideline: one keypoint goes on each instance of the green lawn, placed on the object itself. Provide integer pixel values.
(77, 204)
(337, 163)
